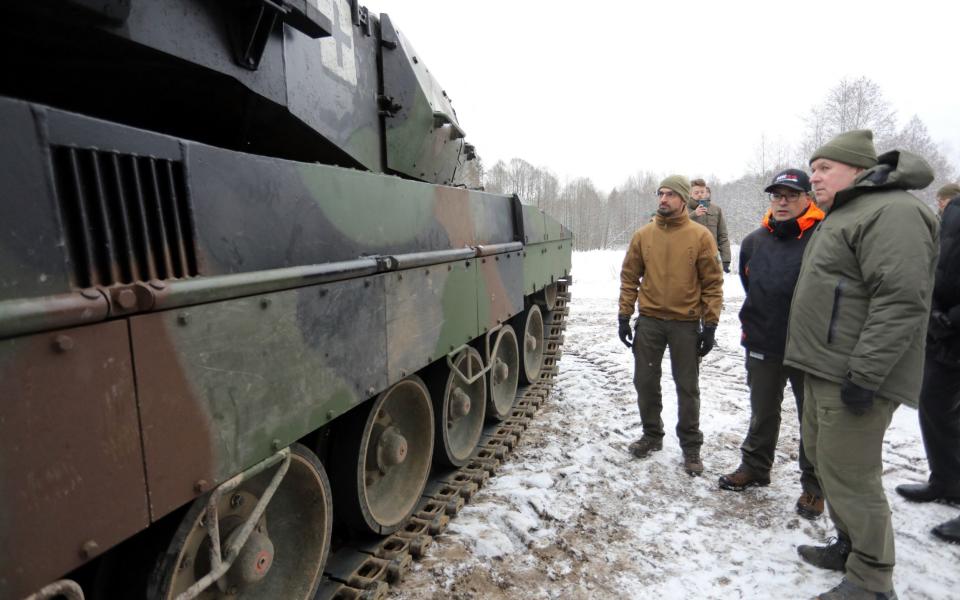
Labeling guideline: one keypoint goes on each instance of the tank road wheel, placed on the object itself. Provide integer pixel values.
(381, 457)
(459, 409)
(550, 296)
(284, 555)
(531, 358)
(504, 373)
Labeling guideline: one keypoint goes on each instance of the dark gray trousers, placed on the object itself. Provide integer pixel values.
(767, 377)
(940, 421)
(651, 339)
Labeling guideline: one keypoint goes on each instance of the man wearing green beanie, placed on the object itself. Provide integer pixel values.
(858, 321)
(671, 272)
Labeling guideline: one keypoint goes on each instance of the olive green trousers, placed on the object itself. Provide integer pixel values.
(652, 337)
(846, 451)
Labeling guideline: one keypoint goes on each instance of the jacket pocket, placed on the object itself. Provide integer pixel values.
(837, 295)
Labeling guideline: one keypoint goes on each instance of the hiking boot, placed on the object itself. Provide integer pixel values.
(847, 590)
(948, 531)
(741, 479)
(810, 506)
(692, 463)
(646, 445)
(833, 556)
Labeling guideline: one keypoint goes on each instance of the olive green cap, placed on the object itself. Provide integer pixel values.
(949, 191)
(854, 148)
(679, 184)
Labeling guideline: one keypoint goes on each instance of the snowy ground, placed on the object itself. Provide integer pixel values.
(573, 515)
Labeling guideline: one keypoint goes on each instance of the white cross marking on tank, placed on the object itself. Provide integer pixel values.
(339, 35)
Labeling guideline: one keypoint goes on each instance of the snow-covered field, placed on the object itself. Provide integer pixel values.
(573, 515)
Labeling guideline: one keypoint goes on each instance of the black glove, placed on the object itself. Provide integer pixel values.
(625, 333)
(940, 327)
(706, 340)
(726, 267)
(858, 400)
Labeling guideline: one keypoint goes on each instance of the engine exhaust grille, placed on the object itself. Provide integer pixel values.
(127, 218)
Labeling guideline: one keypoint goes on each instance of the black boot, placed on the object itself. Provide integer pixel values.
(948, 531)
(833, 556)
(928, 492)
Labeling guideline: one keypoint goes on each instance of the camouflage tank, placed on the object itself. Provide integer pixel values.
(251, 295)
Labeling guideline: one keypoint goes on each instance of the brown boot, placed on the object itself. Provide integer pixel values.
(646, 445)
(741, 479)
(810, 506)
(692, 463)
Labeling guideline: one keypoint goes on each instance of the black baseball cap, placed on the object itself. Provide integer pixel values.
(794, 179)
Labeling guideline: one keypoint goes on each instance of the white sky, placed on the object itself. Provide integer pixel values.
(605, 89)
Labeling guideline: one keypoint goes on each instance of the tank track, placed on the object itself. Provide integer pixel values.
(366, 571)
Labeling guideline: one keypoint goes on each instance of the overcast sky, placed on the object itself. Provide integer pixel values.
(604, 89)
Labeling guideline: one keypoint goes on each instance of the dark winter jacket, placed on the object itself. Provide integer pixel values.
(716, 224)
(862, 301)
(769, 266)
(943, 339)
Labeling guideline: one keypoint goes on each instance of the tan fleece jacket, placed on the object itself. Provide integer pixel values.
(672, 266)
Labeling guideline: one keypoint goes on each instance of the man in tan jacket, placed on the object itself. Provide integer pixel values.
(671, 271)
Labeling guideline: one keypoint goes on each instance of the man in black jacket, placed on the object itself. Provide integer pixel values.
(769, 266)
(940, 394)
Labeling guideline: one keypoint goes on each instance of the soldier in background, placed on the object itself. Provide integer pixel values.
(769, 266)
(858, 321)
(940, 393)
(670, 271)
(708, 214)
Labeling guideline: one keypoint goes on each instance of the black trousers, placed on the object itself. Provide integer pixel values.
(767, 378)
(940, 421)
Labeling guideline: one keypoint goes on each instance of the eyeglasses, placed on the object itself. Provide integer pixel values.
(666, 193)
(789, 197)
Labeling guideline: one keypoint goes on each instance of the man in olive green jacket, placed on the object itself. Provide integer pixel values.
(858, 321)
(709, 214)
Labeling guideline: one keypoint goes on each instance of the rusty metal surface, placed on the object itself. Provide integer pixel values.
(71, 467)
(177, 434)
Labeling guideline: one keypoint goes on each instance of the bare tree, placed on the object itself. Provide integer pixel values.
(495, 179)
(851, 104)
(915, 138)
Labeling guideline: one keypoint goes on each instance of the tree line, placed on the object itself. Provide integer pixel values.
(607, 220)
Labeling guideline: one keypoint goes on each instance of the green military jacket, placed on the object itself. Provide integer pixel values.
(717, 225)
(862, 300)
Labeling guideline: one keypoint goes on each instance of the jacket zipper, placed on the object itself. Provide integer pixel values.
(837, 294)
